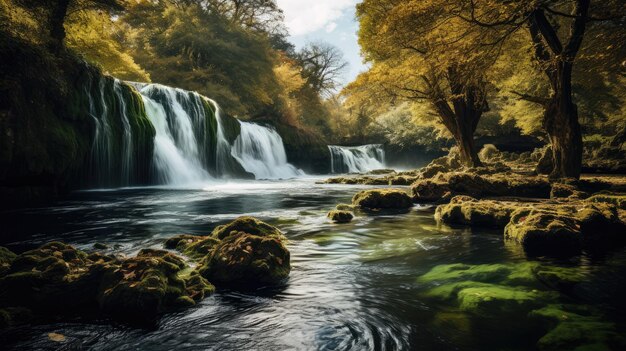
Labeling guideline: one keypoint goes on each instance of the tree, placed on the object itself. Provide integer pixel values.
(557, 29)
(322, 67)
(56, 13)
(417, 55)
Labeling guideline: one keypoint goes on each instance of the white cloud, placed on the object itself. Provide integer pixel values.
(331, 27)
(306, 16)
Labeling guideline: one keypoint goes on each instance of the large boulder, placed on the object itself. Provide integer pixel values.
(565, 229)
(245, 260)
(382, 199)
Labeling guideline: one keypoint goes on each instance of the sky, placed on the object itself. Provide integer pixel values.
(331, 21)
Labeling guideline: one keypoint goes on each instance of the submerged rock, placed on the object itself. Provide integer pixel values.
(345, 207)
(340, 216)
(246, 260)
(382, 199)
(576, 327)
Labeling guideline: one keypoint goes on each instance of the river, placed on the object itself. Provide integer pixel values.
(353, 286)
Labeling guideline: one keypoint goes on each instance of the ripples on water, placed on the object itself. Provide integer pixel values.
(352, 286)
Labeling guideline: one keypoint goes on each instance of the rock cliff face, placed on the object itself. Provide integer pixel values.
(49, 119)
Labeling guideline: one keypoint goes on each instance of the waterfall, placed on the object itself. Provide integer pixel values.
(356, 159)
(111, 164)
(180, 123)
(193, 141)
(260, 151)
(127, 137)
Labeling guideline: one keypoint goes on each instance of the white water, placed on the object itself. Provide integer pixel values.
(260, 151)
(356, 159)
(173, 163)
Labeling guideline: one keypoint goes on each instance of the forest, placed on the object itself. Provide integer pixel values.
(180, 174)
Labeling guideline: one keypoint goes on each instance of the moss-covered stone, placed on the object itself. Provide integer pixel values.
(345, 207)
(565, 229)
(446, 185)
(193, 246)
(340, 216)
(617, 199)
(382, 199)
(466, 210)
(576, 328)
(151, 283)
(6, 257)
(248, 225)
(55, 278)
(246, 260)
(60, 280)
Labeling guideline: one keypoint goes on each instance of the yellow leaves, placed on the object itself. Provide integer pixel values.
(56, 337)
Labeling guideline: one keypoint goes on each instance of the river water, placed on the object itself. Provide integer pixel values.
(353, 286)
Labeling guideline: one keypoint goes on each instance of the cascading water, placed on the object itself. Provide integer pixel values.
(127, 145)
(260, 151)
(180, 122)
(356, 159)
(111, 164)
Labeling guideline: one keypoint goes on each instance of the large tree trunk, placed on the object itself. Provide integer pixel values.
(56, 21)
(560, 118)
(561, 123)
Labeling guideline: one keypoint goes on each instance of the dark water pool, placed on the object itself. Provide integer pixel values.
(382, 282)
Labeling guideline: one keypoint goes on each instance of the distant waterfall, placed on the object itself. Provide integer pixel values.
(260, 151)
(356, 159)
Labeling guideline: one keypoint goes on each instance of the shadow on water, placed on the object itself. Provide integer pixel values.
(352, 287)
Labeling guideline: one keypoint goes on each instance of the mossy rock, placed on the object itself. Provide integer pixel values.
(345, 207)
(55, 278)
(466, 210)
(576, 328)
(563, 230)
(248, 225)
(340, 216)
(517, 274)
(542, 231)
(382, 199)
(616, 199)
(6, 257)
(247, 261)
(193, 246)
(149, 284)
(491, 299)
